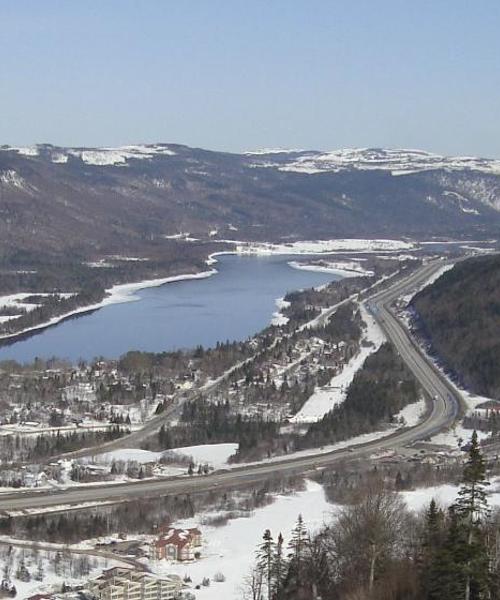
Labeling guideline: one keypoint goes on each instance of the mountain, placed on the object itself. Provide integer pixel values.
(89, 202)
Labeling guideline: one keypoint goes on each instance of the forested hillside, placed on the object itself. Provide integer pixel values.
(460, 315)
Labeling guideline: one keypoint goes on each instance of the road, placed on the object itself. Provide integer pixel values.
(445, 407)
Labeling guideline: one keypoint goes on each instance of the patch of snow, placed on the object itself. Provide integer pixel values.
(12, 178)
(345, 269)
(278, 318)
(444, 495)
(118, 156)
(59, 159)
(17, 301)
(457, 436)
(411, 414)
(264, 151)
(215, 455)
(25, 150)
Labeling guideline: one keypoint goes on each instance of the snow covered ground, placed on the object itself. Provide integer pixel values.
(445, 495)
(215, 455)
(13, 301)
(321, 246)
(411, 414)
(326, 398)
(457, 436)
(278, 317)
(230, 549)
(345, 269)
(53, 564)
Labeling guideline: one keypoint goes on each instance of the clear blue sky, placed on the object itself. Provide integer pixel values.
(242, 74)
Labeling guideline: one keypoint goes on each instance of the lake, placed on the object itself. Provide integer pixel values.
(233, 304)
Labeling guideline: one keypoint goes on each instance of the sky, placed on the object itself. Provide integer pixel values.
(236, 75)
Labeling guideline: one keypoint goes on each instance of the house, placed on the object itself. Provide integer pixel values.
(121, 583)
(488, 408)
(177, 544)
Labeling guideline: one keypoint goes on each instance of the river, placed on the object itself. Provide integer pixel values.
(233, 304)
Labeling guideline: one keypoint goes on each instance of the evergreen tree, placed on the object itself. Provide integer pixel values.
(472, 512)
(298, 548)
(279, 566)
(266, 562)
(442, 550)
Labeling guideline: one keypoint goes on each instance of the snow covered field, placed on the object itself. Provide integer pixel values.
(215, 455)
(230, 549)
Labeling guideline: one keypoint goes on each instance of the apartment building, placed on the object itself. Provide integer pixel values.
(121, 583)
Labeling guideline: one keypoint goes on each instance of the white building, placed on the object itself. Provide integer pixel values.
(120, 583)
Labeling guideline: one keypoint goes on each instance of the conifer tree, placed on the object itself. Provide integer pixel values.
(472, 512)
(279, 566)
(298, 548)
(266, 562)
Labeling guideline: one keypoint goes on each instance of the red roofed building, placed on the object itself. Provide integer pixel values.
(177, 544)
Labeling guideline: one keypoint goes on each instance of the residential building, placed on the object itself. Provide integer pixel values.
(120, 583)
(177, 545)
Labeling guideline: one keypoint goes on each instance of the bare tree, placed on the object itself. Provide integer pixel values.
(367, 535)
(253, 584)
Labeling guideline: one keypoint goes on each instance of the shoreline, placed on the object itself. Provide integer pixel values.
(117, 294)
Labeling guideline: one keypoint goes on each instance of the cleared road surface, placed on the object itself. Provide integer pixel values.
(444, 408)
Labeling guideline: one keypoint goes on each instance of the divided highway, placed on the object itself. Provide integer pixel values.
(444, 409)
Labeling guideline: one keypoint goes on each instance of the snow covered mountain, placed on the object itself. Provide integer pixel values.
(397, 162)
(93, 156)
(96, 200)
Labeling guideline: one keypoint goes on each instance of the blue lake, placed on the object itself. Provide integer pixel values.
(234, 304)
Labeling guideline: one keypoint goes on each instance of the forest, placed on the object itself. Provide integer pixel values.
(459, 316)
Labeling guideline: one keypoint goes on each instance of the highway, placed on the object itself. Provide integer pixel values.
(445, 406)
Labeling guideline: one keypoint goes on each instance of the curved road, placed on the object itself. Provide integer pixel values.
(445, 407)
